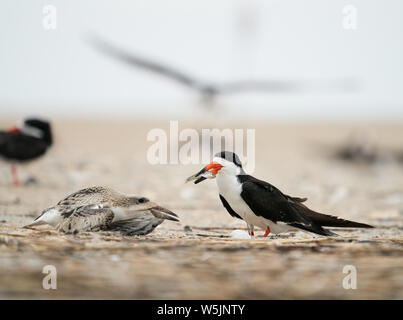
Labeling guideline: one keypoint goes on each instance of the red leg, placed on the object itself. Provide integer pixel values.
(14, 175)
(250, 230)
(267, 232)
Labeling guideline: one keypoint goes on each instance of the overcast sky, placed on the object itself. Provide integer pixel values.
(56, 72)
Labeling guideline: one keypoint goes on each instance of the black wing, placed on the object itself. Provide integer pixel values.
(267, 201)
(228, 207)
(141, 62)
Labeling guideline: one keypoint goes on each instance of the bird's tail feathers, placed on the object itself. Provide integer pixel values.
(332, 221)
(326, 220)
(314, 228)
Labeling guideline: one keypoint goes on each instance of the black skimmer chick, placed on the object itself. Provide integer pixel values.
(260, 204)
(24, 143)
(101, 208)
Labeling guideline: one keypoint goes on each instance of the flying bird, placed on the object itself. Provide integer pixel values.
(25, 143)
(102, 208)
(207, 89)
(261, 204)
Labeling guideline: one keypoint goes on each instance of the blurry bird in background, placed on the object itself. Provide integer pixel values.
(25, 143)
(362, 147)
(210, 90)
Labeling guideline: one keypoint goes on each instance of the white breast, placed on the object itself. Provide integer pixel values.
(230, 188)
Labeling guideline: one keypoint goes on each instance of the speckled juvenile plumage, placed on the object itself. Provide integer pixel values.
(101, 208)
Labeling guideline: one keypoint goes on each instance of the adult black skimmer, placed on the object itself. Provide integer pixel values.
(260, 204)
(25, 143)
(101, 208)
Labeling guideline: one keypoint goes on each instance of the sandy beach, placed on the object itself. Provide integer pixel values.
(202, 261)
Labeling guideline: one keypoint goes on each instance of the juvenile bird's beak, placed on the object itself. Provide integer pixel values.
(208, 172)
(162, 213)
(156, 210)
(140, 209)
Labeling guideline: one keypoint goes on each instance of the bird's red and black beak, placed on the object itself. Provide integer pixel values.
(208, 172)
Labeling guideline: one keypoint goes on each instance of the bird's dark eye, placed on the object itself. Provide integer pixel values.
(143, 200)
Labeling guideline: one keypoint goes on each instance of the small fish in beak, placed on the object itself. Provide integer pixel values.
(208, 172)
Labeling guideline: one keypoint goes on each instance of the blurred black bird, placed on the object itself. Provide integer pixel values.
(25, 143)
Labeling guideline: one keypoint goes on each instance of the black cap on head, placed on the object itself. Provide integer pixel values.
(37, 123)
(42, 125)
(229, 156)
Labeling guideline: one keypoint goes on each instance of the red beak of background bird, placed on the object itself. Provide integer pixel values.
(212, 168)
(14, 129)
